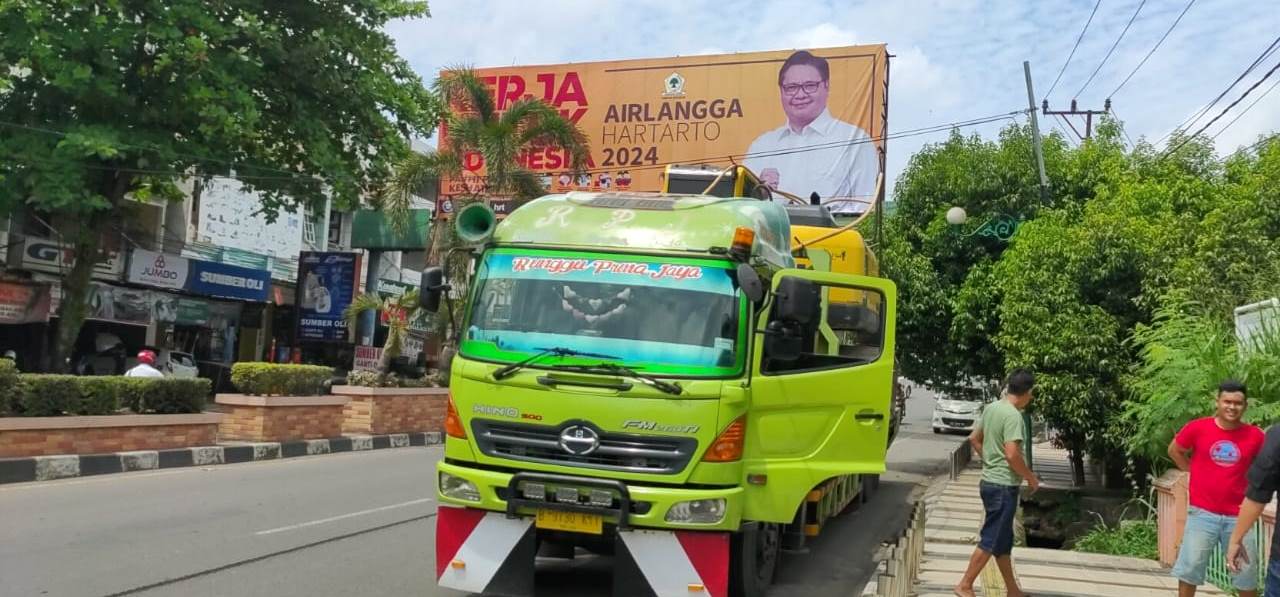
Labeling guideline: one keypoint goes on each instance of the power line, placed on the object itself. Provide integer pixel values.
(1113, 48)
(1153, 49)
(1246, 93)
(1195, 117)
(1124, 129)
(1073, 51)
(231, 163)
(1245, 110)
(816, 147)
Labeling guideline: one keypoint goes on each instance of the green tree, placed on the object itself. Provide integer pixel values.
(108, 102)
(396, 312)
(932, 261)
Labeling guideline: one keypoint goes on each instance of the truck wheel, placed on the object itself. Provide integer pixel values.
(753, 559)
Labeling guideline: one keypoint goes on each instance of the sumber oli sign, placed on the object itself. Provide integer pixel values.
(229, 281)
(47, 256)
(158, 269)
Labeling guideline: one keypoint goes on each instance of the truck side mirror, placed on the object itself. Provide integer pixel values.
(749, 282)
(798, 301)
(433, 287)
(782, 342)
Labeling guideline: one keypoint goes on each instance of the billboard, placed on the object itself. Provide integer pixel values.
(326, 285)
(806, 121)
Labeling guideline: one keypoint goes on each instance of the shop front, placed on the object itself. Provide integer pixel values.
(200, 307)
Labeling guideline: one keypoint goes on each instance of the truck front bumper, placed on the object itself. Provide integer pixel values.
(489, 545)
(649, 505)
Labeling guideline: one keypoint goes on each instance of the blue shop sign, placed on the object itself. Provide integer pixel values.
(229, 281)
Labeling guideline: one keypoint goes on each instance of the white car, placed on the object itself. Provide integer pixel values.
(951, 414)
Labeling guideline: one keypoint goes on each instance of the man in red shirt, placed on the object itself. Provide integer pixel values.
(1221, 449)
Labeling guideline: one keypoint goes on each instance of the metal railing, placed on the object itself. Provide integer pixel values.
(898, 576)
(1219, 576)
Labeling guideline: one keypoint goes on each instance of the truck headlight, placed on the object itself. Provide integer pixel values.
(697, 512)
(458, 488)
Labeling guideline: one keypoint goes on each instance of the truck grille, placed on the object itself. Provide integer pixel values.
(616, 452)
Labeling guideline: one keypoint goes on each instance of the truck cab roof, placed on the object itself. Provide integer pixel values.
(649, 222)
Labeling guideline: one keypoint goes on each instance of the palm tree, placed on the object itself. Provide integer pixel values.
(475, 126)
(396, 313)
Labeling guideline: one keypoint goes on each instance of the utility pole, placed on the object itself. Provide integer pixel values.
(1035, 130)
(1088, 116)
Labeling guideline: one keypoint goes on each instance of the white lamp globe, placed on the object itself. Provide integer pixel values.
(956, 216)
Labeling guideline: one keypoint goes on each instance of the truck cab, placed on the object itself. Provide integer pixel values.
(652, 376)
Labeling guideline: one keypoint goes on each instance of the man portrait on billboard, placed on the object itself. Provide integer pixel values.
(813, 152)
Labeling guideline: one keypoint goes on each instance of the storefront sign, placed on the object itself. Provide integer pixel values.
(326, 286)
(229, 281)
(158, 269)
(118, 304)
(170, 308)
(390, 288)
(24, 303)
(46, 256)
(367, 358)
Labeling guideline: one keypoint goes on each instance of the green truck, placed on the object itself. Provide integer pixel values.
(652, 377)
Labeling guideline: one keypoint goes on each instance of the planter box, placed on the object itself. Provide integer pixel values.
(378, 411)
(279, 418)
(49, 436)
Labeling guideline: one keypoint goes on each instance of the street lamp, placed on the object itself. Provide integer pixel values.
(1000, 226)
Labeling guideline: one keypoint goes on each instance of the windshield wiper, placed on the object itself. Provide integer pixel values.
(665, 386)
(558, 351)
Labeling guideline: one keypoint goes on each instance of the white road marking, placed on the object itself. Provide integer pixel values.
(312, 523)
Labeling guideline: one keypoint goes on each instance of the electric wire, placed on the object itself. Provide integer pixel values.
(1198, 114)
(1246, 109)
(704, 160)
(1113, 48)
(1073, 51)
(1153, 49)
(1224, 111)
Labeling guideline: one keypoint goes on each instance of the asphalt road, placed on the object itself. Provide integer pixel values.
(343, 524)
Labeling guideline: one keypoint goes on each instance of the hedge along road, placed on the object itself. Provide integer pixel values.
(352, 523)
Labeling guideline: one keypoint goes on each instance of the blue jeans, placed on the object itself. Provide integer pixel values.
(1001, 504)
(1205, 531)
(1273, 576)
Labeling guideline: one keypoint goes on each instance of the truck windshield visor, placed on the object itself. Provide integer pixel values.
(677, 317)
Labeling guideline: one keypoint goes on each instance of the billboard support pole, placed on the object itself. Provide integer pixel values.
(1035, 131)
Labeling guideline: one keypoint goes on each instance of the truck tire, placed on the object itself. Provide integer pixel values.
(753, 558)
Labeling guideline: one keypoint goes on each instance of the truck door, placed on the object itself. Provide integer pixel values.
(822, 384)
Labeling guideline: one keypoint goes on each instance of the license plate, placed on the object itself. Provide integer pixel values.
(577, 522)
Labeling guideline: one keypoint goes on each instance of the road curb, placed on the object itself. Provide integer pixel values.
(48, 468)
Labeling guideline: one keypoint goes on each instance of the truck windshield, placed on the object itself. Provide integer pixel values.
(661, 316)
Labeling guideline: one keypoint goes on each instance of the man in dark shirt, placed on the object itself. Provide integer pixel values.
(1264, 480)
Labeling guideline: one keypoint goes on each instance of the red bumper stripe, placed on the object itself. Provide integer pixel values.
(709, 554)
(453, 526)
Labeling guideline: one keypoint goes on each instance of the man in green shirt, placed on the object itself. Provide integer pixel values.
(998, 438)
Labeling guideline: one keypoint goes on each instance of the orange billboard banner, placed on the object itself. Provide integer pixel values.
(805, 121)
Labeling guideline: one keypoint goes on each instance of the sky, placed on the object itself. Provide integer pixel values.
(953, 60)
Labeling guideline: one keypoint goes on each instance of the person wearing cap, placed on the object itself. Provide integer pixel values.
(144, 368)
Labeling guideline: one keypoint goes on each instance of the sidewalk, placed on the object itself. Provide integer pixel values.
(953, 515)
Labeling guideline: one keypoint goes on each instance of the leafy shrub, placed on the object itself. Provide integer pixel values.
(373, 379)
(267, 379)
(1183, 355)
(9, 390)
(55, 395)
(1136, 538)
